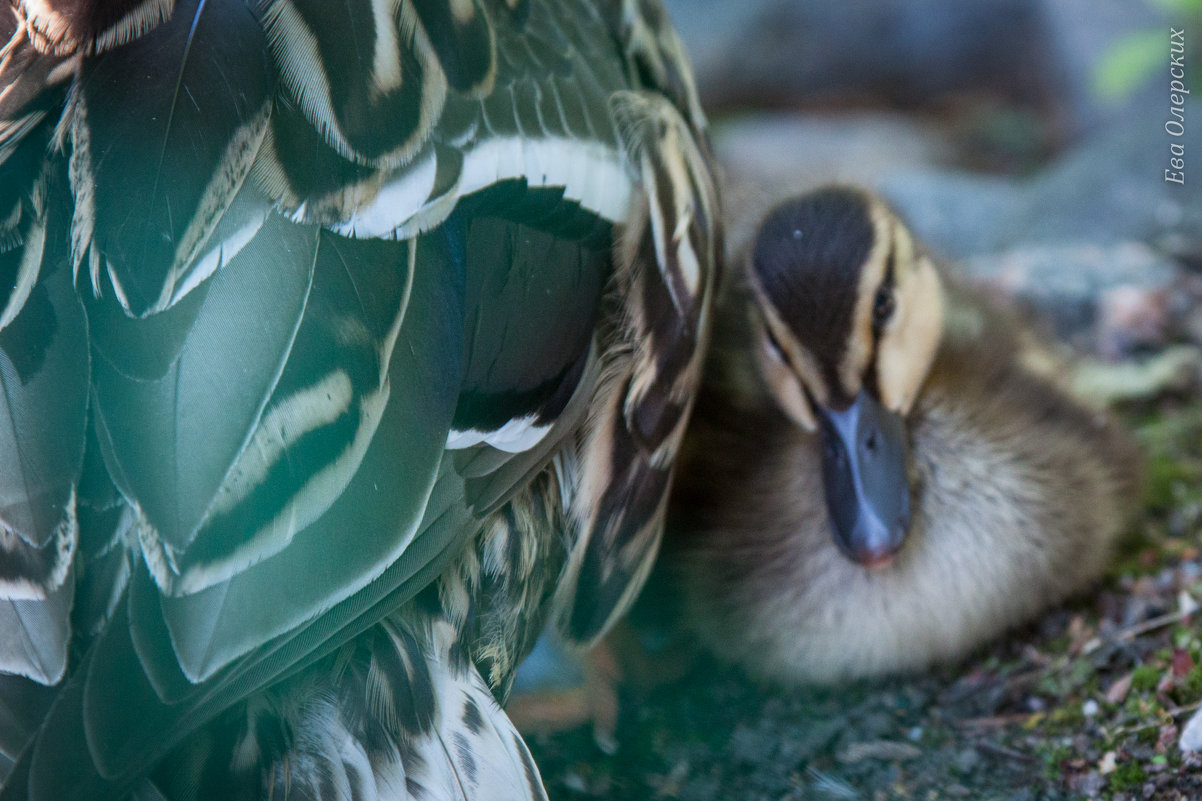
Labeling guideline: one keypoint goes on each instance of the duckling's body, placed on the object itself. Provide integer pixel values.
(1016, 491)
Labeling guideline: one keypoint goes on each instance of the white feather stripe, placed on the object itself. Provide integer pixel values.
(399, 199)
(283, 425)
(388, 772)
(658, 139)
(672, 158)
(193, 264)
(316, 768)
(358, 770)
(34, 634)
(307, 503)
(79, 168)
(517, 435)
(13, 130)
(64, 540)
(222, 251)
(593, 174)
(27, 273)
(301, 68)
(386, 60)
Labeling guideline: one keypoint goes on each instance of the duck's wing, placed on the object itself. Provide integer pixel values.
(259, 218)
(670, 265)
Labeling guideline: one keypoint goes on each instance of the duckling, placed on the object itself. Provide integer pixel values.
(879, 475)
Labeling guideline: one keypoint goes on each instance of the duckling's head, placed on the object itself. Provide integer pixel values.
(849, 315)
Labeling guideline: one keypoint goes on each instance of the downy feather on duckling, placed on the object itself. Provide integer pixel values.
(878, 476)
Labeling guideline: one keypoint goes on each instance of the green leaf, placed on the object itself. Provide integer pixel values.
(1129, 63)
(1180, 6)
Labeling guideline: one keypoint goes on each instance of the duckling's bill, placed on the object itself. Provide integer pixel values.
(864, 453)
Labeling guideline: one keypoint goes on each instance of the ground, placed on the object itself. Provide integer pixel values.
(1087, 702)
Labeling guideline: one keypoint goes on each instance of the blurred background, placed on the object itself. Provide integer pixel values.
(1030, 132)
(1025, 143)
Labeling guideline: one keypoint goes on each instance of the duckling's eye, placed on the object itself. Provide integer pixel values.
(882, 307)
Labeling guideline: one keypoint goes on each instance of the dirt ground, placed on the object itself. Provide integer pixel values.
(1088, 702)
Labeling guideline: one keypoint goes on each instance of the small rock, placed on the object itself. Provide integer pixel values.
(1118, 691)
(1090, 784)
(1182, 663)
(1167, 735)
(1186, 605)
(1191, 737)
(967, 760)
(884, 750)
(1131, 317)
(1114, 298)
(575, 782)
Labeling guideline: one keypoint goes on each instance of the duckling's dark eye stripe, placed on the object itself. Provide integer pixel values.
(884, 302)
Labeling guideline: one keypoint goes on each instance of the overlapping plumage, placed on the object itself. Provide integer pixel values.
(343, 345)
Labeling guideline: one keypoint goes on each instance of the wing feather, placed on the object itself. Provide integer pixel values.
(363, 72)
(43, 405)
(164, 130)
(170, 441)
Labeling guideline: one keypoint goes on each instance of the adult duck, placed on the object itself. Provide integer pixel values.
(343, 345)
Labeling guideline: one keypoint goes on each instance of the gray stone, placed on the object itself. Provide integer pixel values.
(1191, 736)
(758, 52)
(772, 155)
(885, 750)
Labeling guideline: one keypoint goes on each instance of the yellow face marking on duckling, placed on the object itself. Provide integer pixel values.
(874, 272)
(781, 369)
(907, 341)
